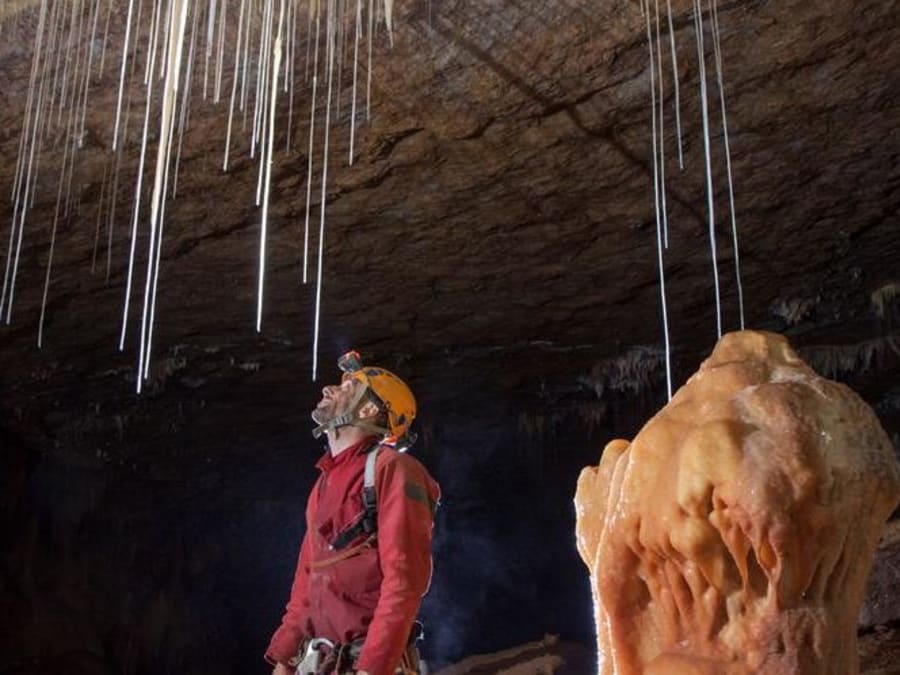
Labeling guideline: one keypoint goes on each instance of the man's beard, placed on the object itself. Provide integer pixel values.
(321, 416)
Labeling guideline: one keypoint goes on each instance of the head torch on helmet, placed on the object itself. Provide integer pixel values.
(394, 396)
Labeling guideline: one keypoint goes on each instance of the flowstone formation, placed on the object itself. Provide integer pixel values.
(735, 534)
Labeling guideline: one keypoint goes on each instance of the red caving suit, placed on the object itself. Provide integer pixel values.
(375, 593)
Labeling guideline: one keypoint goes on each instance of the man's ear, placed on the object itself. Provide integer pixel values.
(368, 410)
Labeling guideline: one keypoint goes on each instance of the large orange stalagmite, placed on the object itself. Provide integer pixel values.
(735, 533)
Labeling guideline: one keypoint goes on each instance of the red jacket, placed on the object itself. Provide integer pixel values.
(375, 593)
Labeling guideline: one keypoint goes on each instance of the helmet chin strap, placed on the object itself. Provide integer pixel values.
(350, 418)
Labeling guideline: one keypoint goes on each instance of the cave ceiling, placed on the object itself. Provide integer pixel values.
(496, 232)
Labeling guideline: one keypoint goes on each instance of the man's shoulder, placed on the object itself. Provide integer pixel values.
(399, 462)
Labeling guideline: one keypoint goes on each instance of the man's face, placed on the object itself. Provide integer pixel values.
(336, 399)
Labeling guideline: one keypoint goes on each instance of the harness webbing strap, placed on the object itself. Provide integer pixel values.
(368, 520)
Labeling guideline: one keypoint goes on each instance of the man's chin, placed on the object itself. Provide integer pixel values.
(320, 416)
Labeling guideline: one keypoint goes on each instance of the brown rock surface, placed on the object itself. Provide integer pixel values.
(735, 533)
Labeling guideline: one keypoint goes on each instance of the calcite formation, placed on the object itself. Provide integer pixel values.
(735, 533)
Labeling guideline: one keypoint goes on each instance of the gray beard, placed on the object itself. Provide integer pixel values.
(320, 416)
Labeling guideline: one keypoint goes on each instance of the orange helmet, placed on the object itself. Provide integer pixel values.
(395, 397)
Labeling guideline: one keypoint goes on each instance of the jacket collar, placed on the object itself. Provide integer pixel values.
(328, 461)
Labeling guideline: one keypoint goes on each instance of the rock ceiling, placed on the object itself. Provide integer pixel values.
(497, 228)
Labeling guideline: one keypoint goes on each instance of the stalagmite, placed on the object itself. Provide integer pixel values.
(734, 534)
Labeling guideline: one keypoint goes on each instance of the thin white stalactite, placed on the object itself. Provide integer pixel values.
(264, 226)
(105, 39)
(286, 62)
(32, 124)
(44, 115)
(714, 11)
(185, 102)
(339, 7)
(246, 68)
(389, 20)
(262, 83)
(656, 203)
(210, 29)
(59, 193)
(309, 24)
(113, 202)
(122, 74)
(29, 108)
(158, 253)
(704, 103)
(59, 74)
(21, 229)
(166, 35)
(675, 81)
(64, 82)
(259, 75)
(220, 56)
(264, 107)
(99, 219)
(309, 167)
(662, 131)
(369, 67)
(289, 82)
(136, 41)
(355, 72)
(134, 221)
(72, 123)
(170, 94)
(330, 58)
(153, 40)
(87, 75)
(234, 82)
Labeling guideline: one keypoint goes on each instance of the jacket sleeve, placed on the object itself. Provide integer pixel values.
(407, 497)
(286, 640)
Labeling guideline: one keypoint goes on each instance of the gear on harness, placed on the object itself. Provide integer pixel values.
(387, 391)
